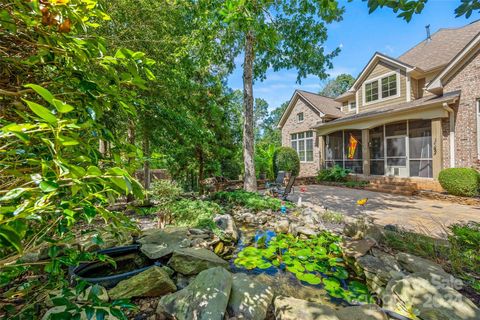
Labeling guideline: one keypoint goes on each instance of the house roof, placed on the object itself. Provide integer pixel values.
(436, 85)
(324, 105)
(422, 102)
(444, 45)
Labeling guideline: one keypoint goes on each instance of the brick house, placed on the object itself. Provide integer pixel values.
(404, 118)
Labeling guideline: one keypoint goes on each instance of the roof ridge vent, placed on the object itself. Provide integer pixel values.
(429, 37)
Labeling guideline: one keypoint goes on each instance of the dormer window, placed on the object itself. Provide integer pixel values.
(352, 106)
(300, 117)
(381, 88)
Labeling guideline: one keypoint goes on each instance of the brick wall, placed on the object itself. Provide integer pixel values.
(311, 117)
(467, 79)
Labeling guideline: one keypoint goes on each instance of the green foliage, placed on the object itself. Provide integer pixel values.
(333, 216)
(460, 181)
(356, 184)
(286, 159)
(315, 260)
(192, 213)
(334, 174)
(335, 87)
(163, 192)
(250, 200)
(465, 247)
(264, 159)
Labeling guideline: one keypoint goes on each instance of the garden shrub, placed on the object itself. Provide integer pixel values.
(286, 159)
(334, 174)
(465, 247)
(250, 200)
(164, 191)
(460, 181)
(192, 213)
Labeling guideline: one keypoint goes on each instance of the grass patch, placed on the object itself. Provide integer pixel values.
(333, 217)
(250, 200)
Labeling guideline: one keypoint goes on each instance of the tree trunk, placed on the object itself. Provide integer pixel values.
(131, 140)
(201, 171)
(250, 180)
(146, 163)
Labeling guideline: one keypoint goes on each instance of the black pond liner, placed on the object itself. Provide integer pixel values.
(82, 271)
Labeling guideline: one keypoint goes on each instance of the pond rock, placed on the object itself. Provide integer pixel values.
(191, 261)
(377, 272)
(249, 299)
(152, 282)
(417, 264)
(227, 225)
(157, 243)
(427, 295)
(364, 312)
(288, 308)
(282, 226)
(205, 298)
(357, 248)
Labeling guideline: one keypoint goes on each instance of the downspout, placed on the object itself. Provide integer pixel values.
(452, 133)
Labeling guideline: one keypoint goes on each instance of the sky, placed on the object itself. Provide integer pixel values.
(359, 35)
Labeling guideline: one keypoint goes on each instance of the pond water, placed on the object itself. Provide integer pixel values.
(284, 282)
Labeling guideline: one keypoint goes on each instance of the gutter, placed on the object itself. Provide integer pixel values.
(451, 136)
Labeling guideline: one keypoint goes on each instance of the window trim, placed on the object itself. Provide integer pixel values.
(378, 79)
(298, 117)
(304, 139)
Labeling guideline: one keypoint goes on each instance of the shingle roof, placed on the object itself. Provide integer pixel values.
(444, 45)
(326, 105)
(425, 101)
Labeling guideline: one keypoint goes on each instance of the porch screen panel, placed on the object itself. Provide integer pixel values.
(334, 149)
(377, 156)
(420, 140)
(354, 164)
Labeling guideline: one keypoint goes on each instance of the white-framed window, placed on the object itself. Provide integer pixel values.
(352, 106)
(478, 127)
(382, 88)
(300, 117)
(302, 142)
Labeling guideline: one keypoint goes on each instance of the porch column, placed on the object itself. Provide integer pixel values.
(321, 148)
(437, 152)
(366, 151)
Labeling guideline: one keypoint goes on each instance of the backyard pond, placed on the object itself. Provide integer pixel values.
(310, 268)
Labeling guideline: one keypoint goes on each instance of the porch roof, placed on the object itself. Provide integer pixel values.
(417, 109)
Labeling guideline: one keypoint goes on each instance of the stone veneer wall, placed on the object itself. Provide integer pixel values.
(467, 80)
(311, 117)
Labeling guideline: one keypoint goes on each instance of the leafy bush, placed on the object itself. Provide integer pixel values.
(460, 181)
(264, 160)
(465, 247)
(250, 200)
(192, 213)
(164, 191)
(334, 174)
(286, 159)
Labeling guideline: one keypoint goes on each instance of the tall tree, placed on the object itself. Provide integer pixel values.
(335, 87)
(277, 35)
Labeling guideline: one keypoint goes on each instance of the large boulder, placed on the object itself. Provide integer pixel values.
(364, 312)
(157, 243)
(194, 260)
(152, 282)
(288, 308)
(205, 298)
(249, 298)
(377, 272)
(227, 225)
(282, 226)
(417, 264)
(357, 248)
(428, 297)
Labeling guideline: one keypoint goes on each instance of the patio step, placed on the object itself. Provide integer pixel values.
(400, 189)
(391, 189)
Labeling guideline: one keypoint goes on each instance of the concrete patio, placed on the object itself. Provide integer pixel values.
(413, 213)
